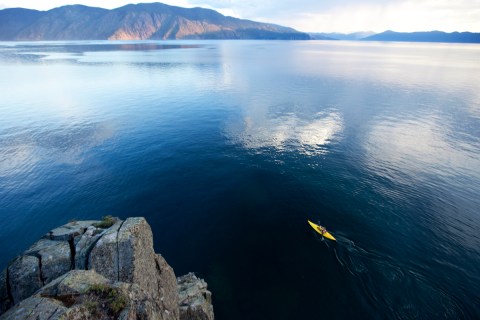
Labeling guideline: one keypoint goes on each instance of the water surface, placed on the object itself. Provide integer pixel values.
(228, 147)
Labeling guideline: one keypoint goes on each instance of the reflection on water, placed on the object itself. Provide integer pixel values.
(286, 131)
(20, 153)
(86, 46)
(25, 51)
(422, 68)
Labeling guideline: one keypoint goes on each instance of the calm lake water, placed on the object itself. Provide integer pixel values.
(228, 147)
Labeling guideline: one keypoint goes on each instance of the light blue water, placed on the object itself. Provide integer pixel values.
(228, 147)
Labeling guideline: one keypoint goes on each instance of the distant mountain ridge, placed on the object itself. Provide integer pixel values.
(430, 36)
(134, 22)
(160, 21)
(427, 36)
(341, 36)
(319, 36)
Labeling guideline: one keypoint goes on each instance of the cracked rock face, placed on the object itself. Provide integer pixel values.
(104, 255)
(49, 280)
(5, 300)
(84, 245)
(50, 257)
(54, 257)
(125, 253)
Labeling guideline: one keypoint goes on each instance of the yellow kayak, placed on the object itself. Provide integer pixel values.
(321, 230)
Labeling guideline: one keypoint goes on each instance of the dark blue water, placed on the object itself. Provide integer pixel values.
(227, 148)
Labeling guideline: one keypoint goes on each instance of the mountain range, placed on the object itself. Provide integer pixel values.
(134, 22)
(431, 36)
(160, 21)
(341, 36)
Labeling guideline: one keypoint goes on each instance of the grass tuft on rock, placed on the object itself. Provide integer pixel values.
(105, 299)
(98, 301)
(107, 222)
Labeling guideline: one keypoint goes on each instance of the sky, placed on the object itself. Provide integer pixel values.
(320, 15)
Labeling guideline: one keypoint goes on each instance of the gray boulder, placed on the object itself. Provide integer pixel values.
(55, 258)
(24, 277)
(195, 300)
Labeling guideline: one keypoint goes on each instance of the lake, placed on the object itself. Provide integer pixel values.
(228, 147)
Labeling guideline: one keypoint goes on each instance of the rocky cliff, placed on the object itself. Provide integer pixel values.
(99, 270)
(134, 22)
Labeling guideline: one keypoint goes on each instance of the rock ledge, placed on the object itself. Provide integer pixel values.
(89, 270)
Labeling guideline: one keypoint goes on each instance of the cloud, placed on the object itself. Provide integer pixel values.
(272, 10)
(284, 7)
(350, 15)
(404, 15)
